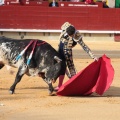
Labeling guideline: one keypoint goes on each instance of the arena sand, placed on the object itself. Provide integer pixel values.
(32, 102)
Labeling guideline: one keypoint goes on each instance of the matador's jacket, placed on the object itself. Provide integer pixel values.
(67, 43)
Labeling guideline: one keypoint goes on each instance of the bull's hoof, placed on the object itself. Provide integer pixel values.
(51, 90)
(11, 92)
(52, 93)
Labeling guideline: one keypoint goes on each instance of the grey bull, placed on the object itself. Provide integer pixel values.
(45, 61)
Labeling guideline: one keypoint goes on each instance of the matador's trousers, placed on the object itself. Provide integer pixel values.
(66, 54)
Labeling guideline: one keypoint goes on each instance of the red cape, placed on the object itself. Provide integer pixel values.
(97, 77)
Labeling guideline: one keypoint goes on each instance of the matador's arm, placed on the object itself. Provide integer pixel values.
(78, 39)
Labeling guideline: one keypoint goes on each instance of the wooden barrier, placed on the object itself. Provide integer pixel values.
(48, 18)
(117, 37)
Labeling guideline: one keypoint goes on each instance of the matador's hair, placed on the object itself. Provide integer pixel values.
(70, 30)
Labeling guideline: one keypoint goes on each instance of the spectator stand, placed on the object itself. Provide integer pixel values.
(37, 17)
(44, 3)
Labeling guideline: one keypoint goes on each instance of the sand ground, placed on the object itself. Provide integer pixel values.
(32, 102)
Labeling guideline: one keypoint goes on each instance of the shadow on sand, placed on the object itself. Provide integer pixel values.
(111, 92)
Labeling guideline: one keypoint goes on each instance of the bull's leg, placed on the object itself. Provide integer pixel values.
(1, 66)
(18, 78)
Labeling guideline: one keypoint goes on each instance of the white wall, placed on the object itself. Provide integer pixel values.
(55, 36)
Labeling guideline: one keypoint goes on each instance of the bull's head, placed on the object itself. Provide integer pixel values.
(54, 72)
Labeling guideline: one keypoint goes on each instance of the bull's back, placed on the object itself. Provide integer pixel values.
(44, 54)
(13, 47)
(18, 43)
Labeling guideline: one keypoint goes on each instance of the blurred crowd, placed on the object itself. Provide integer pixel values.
(54, 3)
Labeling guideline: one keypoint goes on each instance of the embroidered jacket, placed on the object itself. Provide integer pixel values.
(67, 43)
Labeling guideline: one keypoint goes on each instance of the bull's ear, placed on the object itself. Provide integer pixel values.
(57, 59)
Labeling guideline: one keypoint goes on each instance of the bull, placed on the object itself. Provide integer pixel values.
(45, 61)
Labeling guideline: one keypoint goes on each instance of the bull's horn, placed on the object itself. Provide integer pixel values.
(57, 59)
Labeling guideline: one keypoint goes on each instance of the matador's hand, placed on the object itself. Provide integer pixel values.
(96, 59)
